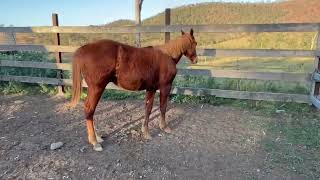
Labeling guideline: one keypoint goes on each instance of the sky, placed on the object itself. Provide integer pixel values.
(84, 12)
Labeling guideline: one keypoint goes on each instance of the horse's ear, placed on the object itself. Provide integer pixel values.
(191, 32)
(182, 32)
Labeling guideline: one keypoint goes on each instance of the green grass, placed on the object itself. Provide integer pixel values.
(292, 139)
(294, 65)
(7, 88)
(241, 84)
(27, 56)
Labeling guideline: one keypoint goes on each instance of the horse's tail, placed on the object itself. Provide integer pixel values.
(76, 82)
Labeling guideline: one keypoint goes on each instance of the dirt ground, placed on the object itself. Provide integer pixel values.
(209, 142)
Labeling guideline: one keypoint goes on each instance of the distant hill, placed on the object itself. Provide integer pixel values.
(218, 13)
(121, 22)
(293, 11)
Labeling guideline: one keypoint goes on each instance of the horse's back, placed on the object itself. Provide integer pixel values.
(98, 50)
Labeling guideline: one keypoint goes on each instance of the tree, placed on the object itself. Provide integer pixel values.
(138, 6)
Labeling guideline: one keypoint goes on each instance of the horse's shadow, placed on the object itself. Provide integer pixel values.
(136, 123)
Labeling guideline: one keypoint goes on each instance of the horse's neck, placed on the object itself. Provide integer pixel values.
(174, 49)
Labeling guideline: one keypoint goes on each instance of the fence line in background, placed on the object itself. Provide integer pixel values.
(235, 74)
(200, 52)
(216, 28)
(167, 28)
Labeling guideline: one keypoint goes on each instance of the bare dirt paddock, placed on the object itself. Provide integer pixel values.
(209, 142)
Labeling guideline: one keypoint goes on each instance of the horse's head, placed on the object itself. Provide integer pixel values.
(190, 51)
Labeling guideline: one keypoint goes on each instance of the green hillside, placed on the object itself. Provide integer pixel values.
(217, 13)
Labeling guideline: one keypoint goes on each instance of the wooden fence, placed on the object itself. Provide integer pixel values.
(313, 77)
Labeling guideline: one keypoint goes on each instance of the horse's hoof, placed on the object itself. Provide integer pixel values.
(147, 136)
(97, 147)
(167, 130)
(99, 139)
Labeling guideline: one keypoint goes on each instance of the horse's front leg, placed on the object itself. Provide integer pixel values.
(164, 94)
(148, 108)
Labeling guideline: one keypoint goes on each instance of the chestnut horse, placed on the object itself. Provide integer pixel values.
(131, 68)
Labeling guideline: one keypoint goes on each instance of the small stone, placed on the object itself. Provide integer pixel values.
(258, 170)
(280, 111)
(56, 145)
(90, 168)
(18, 102)
(82, 149)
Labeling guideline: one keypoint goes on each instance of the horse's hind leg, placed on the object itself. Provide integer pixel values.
(164, 93)
(94, 94)
(99, 138)
(148, 108)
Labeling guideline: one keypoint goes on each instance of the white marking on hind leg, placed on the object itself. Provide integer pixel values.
(99, 139)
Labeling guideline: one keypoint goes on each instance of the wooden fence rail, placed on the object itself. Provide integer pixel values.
(306, 78)
(217, 28)
(266, 96)
(235, 74)
(200, 52)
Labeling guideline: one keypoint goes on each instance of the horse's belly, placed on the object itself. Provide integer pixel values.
(131, 84)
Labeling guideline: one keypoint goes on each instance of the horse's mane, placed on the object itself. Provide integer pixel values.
(175, 48)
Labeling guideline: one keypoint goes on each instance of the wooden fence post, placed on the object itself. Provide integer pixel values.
(55, 22)
(9, 38)
(316, 85)
(315, 90)
(167, 22)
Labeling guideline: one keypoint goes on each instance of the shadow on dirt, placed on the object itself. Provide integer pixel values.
(208, 142)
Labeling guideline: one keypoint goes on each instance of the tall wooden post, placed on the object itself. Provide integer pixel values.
(55, 22)
(9, 38)
(167, 22)
(138, 5)
(315, 89)
(316, 85)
